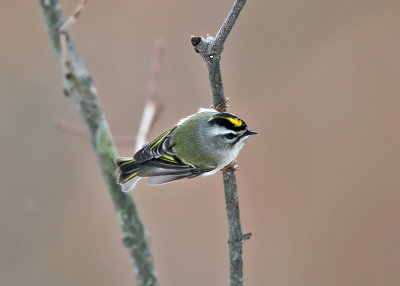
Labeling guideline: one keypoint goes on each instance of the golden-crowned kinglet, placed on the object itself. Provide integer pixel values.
(202, 143)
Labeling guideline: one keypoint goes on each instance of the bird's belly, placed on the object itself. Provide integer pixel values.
(224, 160)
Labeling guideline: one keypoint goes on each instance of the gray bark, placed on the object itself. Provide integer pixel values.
(210, 50)
(79, 87)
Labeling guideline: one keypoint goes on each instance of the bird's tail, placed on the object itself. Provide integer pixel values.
(127, 172)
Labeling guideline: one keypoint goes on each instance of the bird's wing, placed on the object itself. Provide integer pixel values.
(168, 165)
(158, 161)
(155, 148)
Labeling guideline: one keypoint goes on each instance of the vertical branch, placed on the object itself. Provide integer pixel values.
(79, 87)
(210, 49)
(236, 236)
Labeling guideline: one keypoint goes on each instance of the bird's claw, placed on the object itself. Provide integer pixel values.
(222, 106)
(232, 167)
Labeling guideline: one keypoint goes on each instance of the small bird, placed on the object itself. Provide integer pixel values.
(200, 144)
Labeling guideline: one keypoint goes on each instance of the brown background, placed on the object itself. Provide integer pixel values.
(318, 187)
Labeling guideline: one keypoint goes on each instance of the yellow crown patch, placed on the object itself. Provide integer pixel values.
(235, 121)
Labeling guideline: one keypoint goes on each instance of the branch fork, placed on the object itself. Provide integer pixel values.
(210, 49)
(206, 48)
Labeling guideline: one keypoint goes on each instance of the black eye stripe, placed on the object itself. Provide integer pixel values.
(230, 135)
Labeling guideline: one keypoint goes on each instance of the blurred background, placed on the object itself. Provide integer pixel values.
(318, 187)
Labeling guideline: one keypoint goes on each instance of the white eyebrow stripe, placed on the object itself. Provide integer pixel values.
(220, 130)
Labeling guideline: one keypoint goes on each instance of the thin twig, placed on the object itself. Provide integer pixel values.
(228, 25)
(151, 111)
(210, 49)
(78, 131)
(153, 107)
(71, 129)
(64, 29)
(79, 86)
(74, 17)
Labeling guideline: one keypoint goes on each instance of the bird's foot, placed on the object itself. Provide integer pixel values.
(232, 167)
(222, 106)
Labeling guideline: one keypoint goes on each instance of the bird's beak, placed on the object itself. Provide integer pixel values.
(249, 132)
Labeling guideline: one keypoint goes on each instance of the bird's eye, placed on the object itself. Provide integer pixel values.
(230, 135)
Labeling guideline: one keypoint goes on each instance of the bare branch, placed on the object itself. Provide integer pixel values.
(153, 107)
(78, 131)
(66, 127)
(72, 19)
(236, 237)
(79, 86)
(64, 29)
(228, 25)
(210, 49)
(155, 68)
(151, 111)
(148, 115)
